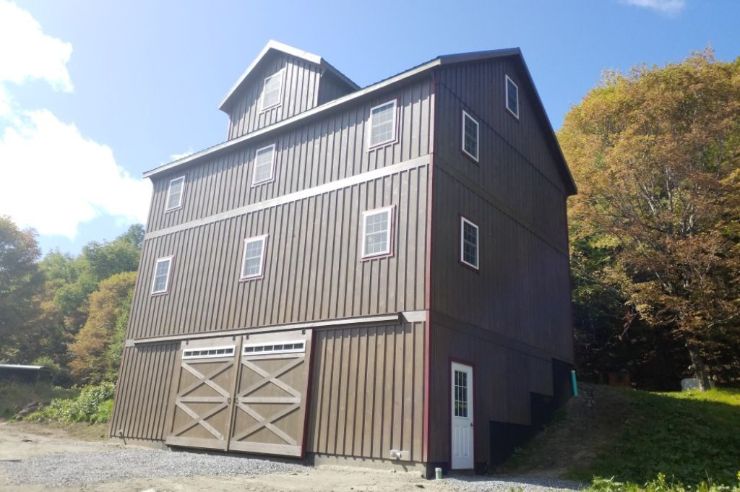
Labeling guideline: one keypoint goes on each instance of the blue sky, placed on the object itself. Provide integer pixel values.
(96, 92)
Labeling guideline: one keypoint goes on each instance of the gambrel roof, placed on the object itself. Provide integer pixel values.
(414, 72)
(273, 45)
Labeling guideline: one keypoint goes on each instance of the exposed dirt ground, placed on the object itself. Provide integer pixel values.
(38, 458)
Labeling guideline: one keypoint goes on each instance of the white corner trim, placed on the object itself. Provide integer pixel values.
(415, 316)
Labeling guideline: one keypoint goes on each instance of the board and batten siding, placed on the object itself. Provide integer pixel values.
(313, 268)
(366, 394)
(368, 391)
(300, 92)
(143, 391)
(332, 87)
(314, 153)
(517, 171)
(503, 380)
(515, 194)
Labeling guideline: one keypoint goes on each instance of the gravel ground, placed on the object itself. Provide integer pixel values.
(35, 458)
(483, 483)
(78, 469)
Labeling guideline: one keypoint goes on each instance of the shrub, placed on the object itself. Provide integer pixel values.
(93, 405)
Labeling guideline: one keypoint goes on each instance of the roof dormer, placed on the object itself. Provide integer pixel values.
(281, 82)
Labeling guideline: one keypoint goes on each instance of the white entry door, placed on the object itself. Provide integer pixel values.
(462, 416)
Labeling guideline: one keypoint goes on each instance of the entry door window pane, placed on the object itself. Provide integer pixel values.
(461, 393)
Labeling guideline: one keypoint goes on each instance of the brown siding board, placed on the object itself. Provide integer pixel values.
(364, 406)
(146, 378)
(307, 155)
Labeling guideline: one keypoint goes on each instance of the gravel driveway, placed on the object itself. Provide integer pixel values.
(40, 458)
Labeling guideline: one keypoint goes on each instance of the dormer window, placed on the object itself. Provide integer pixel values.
(272, 91)
(512, 97)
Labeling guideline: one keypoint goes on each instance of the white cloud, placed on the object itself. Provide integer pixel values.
(52, 177)
(26, 53)
(670, 7)
(174, 157)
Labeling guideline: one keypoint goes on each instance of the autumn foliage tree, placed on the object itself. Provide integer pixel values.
(97, 346)
(655, 154)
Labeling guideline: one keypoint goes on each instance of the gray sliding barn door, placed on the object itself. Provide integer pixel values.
(270, 399)
(201, 415)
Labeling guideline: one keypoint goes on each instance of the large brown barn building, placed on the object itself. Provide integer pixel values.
(368, 275)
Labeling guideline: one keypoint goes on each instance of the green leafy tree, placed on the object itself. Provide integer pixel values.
(655, 153)
(20, 283)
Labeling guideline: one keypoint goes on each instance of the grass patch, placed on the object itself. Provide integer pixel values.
(621, 439)
(14, 396)
(690, 437)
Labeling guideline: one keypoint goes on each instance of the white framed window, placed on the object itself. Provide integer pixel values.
(254, 257)
(270, 348)
(512, 97)
(382, 124)
(272, 90)
(377, 227)
(469, 243)
(161, 277)
(264, 161)
(470, 134)
(174, 193)
(208, 352)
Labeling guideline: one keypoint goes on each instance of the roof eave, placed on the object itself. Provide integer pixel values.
(290, 121)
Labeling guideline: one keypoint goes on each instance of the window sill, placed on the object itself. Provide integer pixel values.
(268, 108)
(260, 183)
(512, 113)
(378, 256)
(250, 279)
(469, 266)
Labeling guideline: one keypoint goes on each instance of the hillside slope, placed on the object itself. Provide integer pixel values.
(634, 435)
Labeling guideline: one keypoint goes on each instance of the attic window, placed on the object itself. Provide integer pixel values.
(174, 193)
(382, 124)
(272, 91)
(512, 97)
